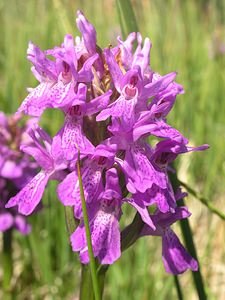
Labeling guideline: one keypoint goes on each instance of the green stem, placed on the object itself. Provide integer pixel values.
(7, 263)
(86, 288)
(88, 235)
(178, 288)
(131, 233)
(187, 234)
(101, 277)
(203, 200)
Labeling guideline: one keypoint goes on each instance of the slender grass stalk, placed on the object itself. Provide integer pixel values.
(127, 18)
(189, 242)
(203, 200)
(178, 288)
(88, 235)
(65, 25)
(7, 263)
(86, 288)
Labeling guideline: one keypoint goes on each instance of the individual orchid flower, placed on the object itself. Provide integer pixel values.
(175, 258)
(19, 222)
(56, 88)
(52, 163)
(133, 92)
(104, 217)
(68, 190)
(73, 137)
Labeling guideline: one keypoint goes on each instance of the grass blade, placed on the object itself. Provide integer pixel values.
(127, 18)
(88, 235)
(203, 200)
(178, 288)
(189, 242)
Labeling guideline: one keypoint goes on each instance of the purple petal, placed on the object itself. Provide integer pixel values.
(126, 50)
(139, 171)
(159, 85)
(114, 68)
(37, 150)
(163, 198)
(85, 74)
(36, 102)
(60, 95)
(78, 238)
(88, 32)
(175, 258)
(164, 220)
(43, 66)
(143, 211)
(11, 170)
(159, 129)
(22, 225)
(105, 237)
(121, 108)
(69, 192)
(30, 196)
(112, 186)
(111, 250)
(98, 103)
(73, 138)
(142, 58)
(6, 221)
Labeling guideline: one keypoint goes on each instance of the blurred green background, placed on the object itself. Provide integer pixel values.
(188, 37)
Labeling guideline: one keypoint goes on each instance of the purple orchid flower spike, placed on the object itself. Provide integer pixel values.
(112, 102)
(68, 190)
(52, 163)
(16, 169)
(104, 218)
(175, 258)
(10, 220)
(13, 165)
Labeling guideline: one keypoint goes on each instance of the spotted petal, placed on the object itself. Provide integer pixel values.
(175, 257)
(30, 196)
(69, 192)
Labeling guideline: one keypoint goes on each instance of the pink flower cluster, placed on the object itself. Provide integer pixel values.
(112, 102)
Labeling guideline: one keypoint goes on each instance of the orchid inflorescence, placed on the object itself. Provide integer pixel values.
(16, 169)
(112, 102)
